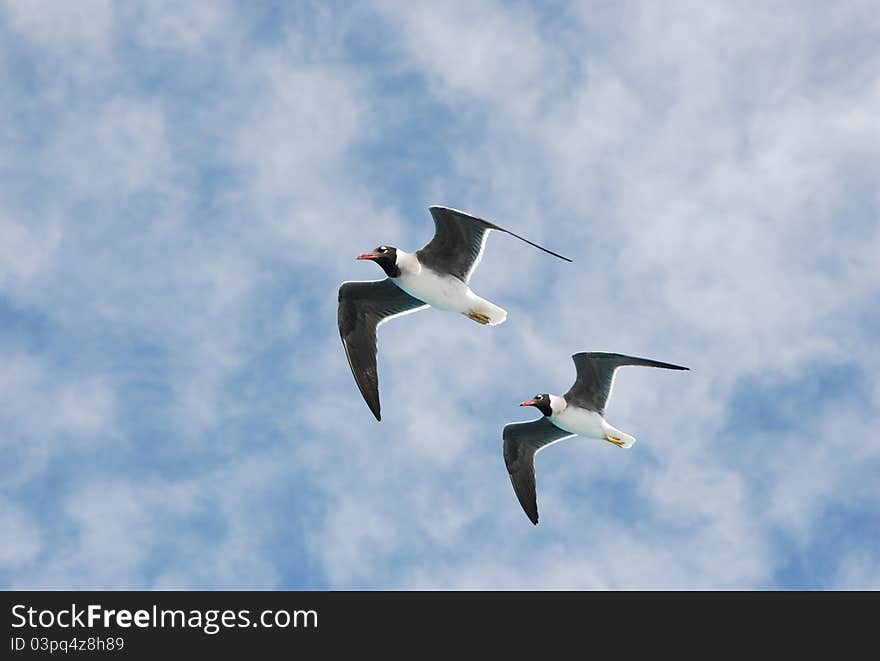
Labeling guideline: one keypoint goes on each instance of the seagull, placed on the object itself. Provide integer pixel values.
(579, 412)
(436, 276)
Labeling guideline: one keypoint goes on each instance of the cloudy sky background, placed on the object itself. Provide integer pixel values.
(183, 186)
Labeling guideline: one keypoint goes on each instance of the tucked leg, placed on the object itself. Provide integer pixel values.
(479, 317)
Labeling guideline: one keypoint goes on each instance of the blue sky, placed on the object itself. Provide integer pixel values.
(185, 186)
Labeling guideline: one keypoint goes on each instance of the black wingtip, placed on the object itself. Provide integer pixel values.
(637, 361)
(669, 366)
(532, 514)
(532, 243)
(524, 489)
(373, 406)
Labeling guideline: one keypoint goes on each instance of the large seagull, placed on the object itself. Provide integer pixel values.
(579, 412)
(437, 275)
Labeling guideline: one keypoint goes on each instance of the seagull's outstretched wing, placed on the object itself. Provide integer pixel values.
(522, 440)
(362, 307)
(595, 376)
(459, 241)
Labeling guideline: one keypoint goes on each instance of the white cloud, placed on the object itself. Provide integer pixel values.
(39, 400)
(126, 144)
(21, 537)
(27, 252)
(62, 25)
(47, 414)
(859, 571)
(142, 534)
(164, 24)
(487, 51)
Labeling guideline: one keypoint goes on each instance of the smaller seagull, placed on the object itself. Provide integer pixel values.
(436, 276)
(579, 412)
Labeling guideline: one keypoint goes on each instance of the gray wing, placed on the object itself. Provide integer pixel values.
(595, 376)
(362, 307)
(522, 440)
(459, 241)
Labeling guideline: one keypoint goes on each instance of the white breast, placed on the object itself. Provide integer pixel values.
(440, 291)
(580, 421)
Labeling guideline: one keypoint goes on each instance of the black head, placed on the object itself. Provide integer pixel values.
(386, 257)
(540, 402)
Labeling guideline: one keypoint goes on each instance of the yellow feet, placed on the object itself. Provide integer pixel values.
(615, 440)
(479, 317)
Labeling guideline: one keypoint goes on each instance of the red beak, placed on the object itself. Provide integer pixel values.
(368, 255)
(530, 402)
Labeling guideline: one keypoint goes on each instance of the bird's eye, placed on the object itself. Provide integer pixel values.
(383, 249)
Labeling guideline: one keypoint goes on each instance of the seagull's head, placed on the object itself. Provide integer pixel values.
(541, 402)
(384, 256)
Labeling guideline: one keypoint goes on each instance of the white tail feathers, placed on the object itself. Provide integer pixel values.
(619, 438)
(484, 312)
(496, 314)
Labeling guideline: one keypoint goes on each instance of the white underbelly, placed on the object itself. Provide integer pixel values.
(440, 291)
(580, 422)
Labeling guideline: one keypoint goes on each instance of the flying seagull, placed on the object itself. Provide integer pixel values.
(579, 412)
(437, 275)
